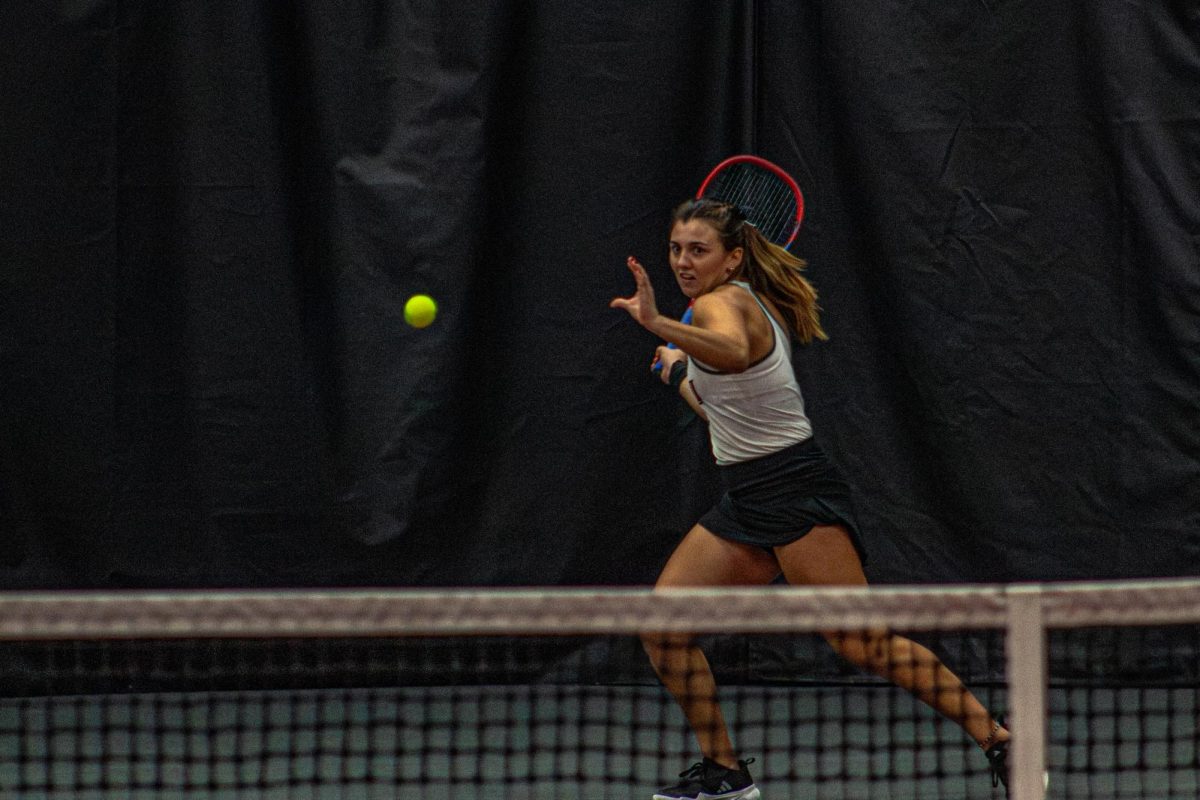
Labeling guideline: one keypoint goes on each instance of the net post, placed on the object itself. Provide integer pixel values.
(1025, 637)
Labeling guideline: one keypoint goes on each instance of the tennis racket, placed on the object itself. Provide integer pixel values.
(765, 193)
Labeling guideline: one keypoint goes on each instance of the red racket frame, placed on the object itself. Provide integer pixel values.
(777, 170)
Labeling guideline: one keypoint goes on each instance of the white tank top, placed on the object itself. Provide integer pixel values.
(756, 412)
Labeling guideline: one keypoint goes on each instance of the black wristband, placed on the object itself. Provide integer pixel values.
(678, 374)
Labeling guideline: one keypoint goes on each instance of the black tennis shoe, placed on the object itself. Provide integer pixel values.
(708, 780)
(997, 756)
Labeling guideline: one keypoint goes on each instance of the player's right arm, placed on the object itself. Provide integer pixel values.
(667, 358)
(689, 395)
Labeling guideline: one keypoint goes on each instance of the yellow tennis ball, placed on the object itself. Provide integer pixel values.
(420, 311)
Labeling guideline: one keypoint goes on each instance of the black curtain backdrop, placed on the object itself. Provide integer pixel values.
(211, 215)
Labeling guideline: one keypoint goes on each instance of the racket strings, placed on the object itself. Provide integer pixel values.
(767, 201)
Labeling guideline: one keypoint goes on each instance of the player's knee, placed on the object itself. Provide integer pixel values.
(869, 650)
(660, 647)
(848, 647)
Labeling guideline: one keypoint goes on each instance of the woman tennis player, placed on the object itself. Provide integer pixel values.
(786, 509)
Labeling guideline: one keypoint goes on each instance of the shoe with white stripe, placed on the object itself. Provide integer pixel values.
(708, 780)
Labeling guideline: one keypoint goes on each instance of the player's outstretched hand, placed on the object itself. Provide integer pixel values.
(641, 305)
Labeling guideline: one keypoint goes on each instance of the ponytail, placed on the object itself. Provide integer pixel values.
(776, 274)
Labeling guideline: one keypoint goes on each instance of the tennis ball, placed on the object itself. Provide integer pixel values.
(420, 311)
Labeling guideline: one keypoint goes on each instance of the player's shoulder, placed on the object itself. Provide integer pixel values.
(727, 296)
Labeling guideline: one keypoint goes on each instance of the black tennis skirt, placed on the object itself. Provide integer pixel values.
(776, 499)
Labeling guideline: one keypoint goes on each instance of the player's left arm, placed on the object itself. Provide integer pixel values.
(718, 336)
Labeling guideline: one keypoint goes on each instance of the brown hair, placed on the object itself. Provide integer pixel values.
(768, 268)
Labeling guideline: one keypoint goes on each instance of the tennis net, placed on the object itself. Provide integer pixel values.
(464, 694)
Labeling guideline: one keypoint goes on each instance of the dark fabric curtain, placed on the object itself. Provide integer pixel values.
(211, 215)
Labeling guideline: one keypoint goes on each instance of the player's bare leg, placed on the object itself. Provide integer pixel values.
(826, 556)
(703, 559)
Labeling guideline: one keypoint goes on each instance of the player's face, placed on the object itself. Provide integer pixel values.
(698, 259)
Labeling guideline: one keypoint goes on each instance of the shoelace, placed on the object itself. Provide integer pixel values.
(696, 771)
